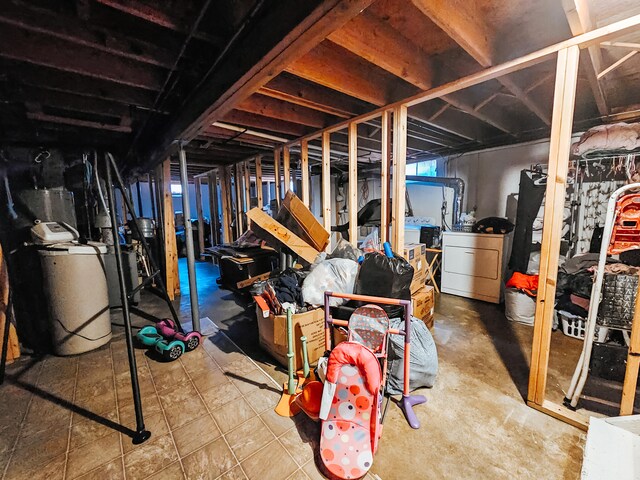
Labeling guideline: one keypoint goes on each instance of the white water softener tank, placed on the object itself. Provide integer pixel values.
(75, 285)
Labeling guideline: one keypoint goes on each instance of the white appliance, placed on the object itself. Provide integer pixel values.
(473, 265)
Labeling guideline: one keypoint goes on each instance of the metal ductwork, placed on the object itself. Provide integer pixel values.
(457, 184)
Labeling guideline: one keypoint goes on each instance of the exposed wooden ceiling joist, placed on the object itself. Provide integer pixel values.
(268, 124)
(463, 22)
(290, 112)
(43, 50)
(580, 22)
(287, 31)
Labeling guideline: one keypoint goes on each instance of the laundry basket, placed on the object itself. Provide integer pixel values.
(572, 325)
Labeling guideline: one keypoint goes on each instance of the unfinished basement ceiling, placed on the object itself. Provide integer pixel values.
(134, 76)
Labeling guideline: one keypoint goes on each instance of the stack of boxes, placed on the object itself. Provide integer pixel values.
(422, 295)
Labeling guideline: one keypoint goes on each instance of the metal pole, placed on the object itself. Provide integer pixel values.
(188, 233)
(140, 209)
(141, 434)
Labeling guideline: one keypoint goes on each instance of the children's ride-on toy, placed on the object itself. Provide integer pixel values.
(168, 340)
(167, 328)
(170, 350)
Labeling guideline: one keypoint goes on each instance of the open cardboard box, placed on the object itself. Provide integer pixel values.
(273, 333)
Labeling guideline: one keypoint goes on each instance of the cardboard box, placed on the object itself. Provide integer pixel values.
(273, 333)
(416, 255)
(296, 217)
(423, 305)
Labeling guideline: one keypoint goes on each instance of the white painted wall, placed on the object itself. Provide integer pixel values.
(492, 176)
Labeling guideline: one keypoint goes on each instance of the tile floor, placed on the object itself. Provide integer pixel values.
(210, 413)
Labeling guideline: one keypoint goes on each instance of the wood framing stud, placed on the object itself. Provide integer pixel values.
(259, 181)
(353, 184)
(326, 184)
(276, 173)
(172, 280)
(399, 174)
(385, 177)
(560, 146)
(286, 170)
(198, 187)
(304, 166)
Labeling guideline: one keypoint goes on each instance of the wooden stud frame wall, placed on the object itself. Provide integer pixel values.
(276, 172)
(567, 58)
(259, 181)
(286, 170)
(304, 167)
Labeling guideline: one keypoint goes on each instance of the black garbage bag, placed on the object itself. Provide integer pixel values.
(423, 359)
(381, 276)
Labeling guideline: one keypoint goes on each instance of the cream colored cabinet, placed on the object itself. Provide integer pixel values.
(473, 265)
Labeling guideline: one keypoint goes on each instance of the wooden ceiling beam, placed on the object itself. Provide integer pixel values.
(67, 101)
(287, 31)
(464, 22)
(42, 117)
(296, 90)
(580, 21)
(51, 80)
(379, 43)
(339, 69)
(39, 49)
(81, 33)
(290, 112)
(252, 120)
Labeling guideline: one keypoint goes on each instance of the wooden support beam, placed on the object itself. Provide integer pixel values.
(464, 23)
(42, 50)
(252, 120)
(296, 90)
(379, 43)
(337, 68)
(617, 64)
(326, 184)
(399, 175)
(259, 181)
(580, 22)
(282, 110)
(198, 187)
(283, 235)
(43, 117)
(385, 177)
(225, 194)
(172, 275)
(247, 187)
(633, 362)
(86, 34)
(353, 184)
(276, 173)
(12, 347)
(304, 167)
(237, 181)
(286, 170)
(214, 220)
(286, 32)
(560, 147)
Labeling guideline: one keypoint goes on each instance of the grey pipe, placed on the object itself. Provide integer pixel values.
(188, 233)
(457, 184)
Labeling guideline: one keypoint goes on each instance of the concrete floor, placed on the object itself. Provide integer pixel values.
(474, 425)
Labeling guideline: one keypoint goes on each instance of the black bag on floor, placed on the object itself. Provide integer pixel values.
(381, 276)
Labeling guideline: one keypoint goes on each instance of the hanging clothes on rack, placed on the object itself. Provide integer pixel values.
(530, 196)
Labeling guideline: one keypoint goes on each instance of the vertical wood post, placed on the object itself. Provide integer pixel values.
(633, 362)
(353, 183)
(559, 150)
(326, 184)
(304, 166)
(247, 190)
(237, 180)
(385, 177)
(214, 222)
(172, 280)
(286, 170)
(399, 176)
(276, 172)
(259, 181)
(198, 187)
(225, 194)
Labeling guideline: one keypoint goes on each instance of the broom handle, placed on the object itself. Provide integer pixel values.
(292, 384)
(305, 356)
